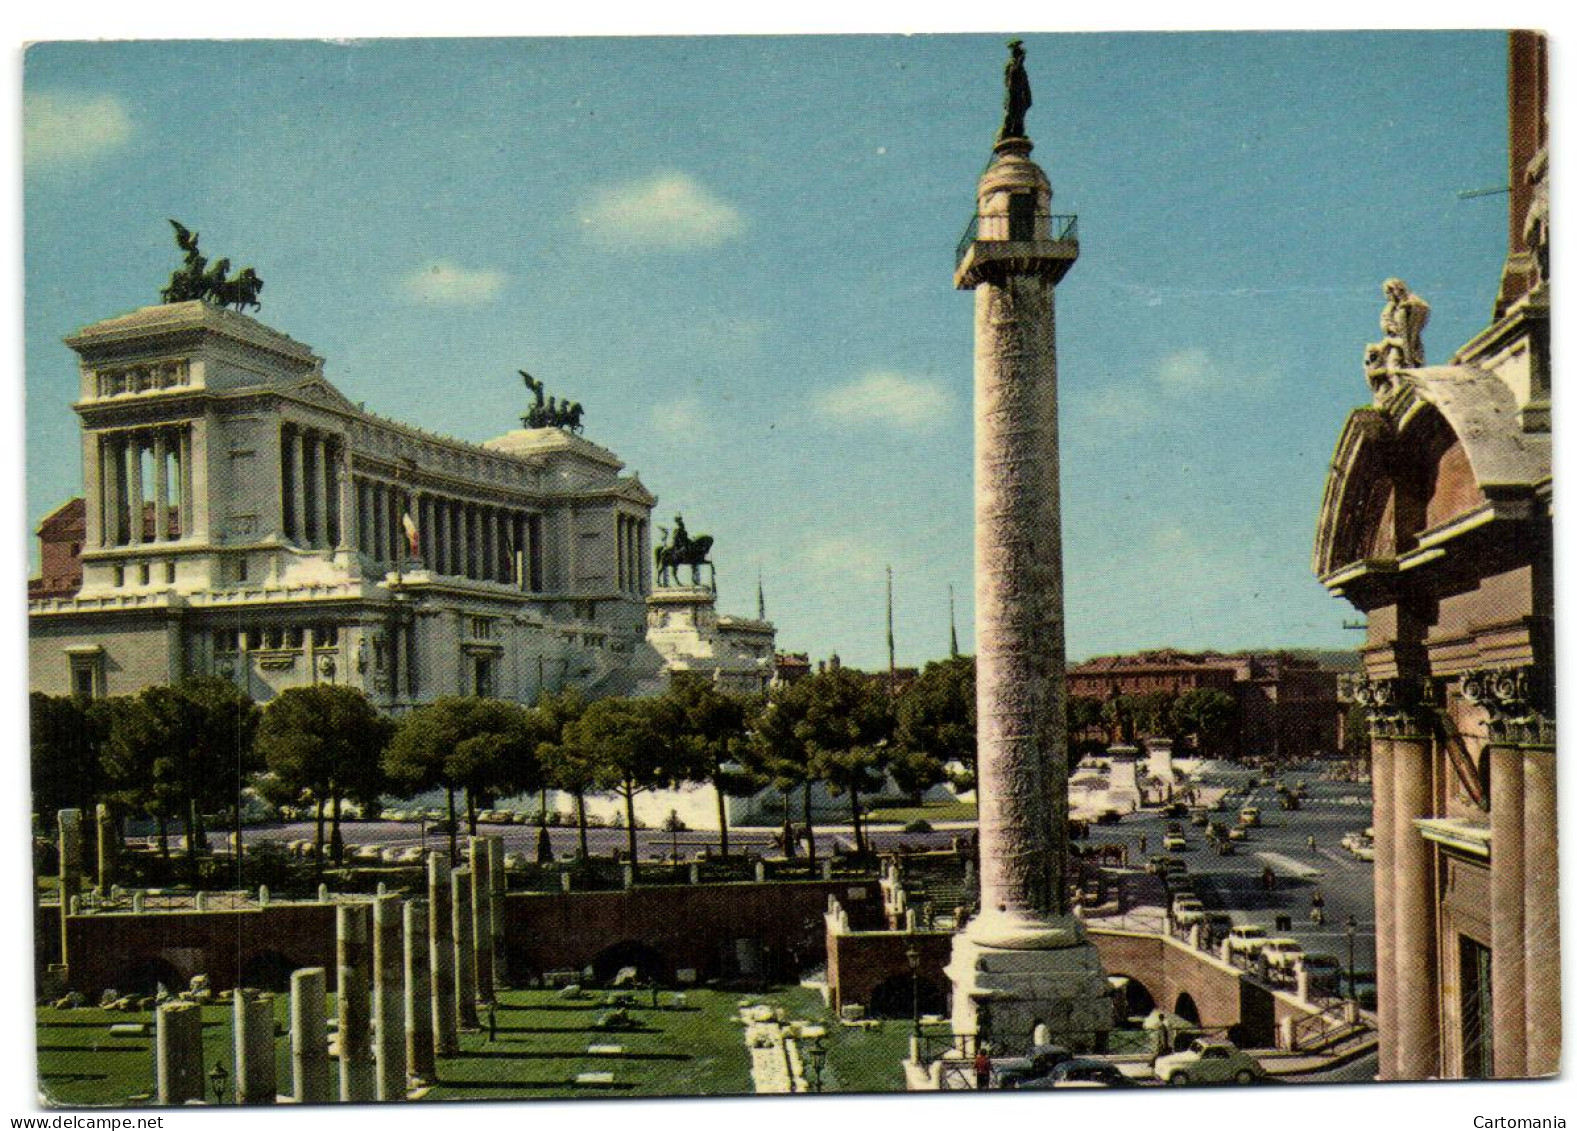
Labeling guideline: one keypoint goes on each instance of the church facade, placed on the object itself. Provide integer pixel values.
(242, 518)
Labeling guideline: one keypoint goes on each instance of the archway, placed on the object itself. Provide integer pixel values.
(649, 963)
(1137, 1000)
(143, 976)
(894, 998)
(268, 970)
(1186, 1009)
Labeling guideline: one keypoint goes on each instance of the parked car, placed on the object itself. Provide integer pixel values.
(1248, 816)
(1009, 1072)
(1325, 973)
(1158, 865)
(1082, 1072)
(1208, 1062)
(1247, 938)
(1239, 833)
(1187, 912)
(1174, 842)
(1365, 852)
(1282, 954)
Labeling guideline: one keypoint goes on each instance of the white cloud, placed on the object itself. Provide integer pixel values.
(911, 404)
(448, 284)
(678, 418)
(64, 128)
(669, 210)
(1187, 369)
(845, 556)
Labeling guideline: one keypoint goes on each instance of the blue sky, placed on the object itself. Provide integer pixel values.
(737, 253)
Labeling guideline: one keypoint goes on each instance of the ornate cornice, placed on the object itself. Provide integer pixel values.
(1519, 703)
(1395, 706)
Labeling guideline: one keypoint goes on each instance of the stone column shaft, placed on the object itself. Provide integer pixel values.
(108, 844)
(482, 916)
(185, 467)
(441, 946)
(111, 467)
(1383, 775)
(309, 1051)
(388, 997)
(134, 487)
(348, 518)
(161, 489)
(1416, 957)
(1506, 881)
(419, 991)
(255, 1076)
(464, 948)
(178, 1052)
(296, 442)
(355, 1009)
(495, 859)
(1542, 925)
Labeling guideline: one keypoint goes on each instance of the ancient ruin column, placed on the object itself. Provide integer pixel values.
(69, 848)
(1506, 879)
(1413, 897)
(1024, 953)
(1383, 775)
(1542, 951)
(388, 996)
(418, 992)
(500, 880)
(178, 1052)
(255, 1078)
(482, 916)
(464, 948)
(441, 943)
(108, 843)
(309, 1050)
(355, 1011)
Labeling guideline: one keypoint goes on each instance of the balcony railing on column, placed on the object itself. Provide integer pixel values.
(1000, 228)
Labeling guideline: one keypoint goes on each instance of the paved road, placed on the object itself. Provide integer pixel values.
(1233, 883)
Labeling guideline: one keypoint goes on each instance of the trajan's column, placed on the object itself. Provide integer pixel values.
(1024, 962)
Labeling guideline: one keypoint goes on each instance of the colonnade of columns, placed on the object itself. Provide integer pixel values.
(312, 475)
(140, 483)
(631, 549)
(480, 541)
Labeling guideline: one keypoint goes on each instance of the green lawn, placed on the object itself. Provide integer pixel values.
(541, 1047)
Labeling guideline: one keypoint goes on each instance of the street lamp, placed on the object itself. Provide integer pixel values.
(818, 1061)
(912, 953)
(217, 1076)
(1352, 977)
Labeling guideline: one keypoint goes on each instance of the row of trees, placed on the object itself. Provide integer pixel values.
(1205, 715)
(187, 751)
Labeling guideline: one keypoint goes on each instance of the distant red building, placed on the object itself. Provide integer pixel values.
(1288, 707)
(60, 538)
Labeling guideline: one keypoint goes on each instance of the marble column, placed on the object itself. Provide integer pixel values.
(68, 824)
(388, 997)
(1506, 881)
(1542, 949)
(380, 522)
(309, 1051)
(355, 1010)
(161, 489)
(187, 501)
(321, 494)
(107, 837)
(178, 1053)
(134, 494)
(418, 992)
(255, 1077)
(1383, 776)
(363, 541)
(1024, 961)
(297, 441)
(111, 466)
(93, 489)
(500, 881)
(482, 916)
(464, 948)
(1413, 896)
(441, 944)
(348, 524)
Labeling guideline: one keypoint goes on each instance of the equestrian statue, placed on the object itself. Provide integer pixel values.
(196, 281)
(681, 550)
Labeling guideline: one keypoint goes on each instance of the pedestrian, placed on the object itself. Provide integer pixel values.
(1144, 844)
(982, 1070)
(492, 1022)
(1311, 844)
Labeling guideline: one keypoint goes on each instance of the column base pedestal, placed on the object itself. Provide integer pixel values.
(1013, 974)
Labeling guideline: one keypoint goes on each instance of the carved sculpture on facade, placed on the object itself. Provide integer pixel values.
(1401, 344)
(551, 412)
(195, 280)
(681, 550)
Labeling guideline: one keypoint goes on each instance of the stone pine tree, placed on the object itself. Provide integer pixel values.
(66, 736)
(1208, 716)
(711, 741)
(562, 766)
(630, 746)
(777, 752)
(935, 726)
(324, 745)
(847, 729)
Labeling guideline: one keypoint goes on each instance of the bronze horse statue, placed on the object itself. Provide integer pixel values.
(681, 550)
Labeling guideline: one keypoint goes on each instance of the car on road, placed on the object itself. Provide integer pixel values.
(1175, 842)
(1248, 816)
(1247, 938)
(1159, 864)
(1199, 817)
(1364, 852)
(1081, 1072)
(1186, 912)
(1010, 1072)
(1281, 953)
(1325, 972)
(1239, 833)
(1208, 1062)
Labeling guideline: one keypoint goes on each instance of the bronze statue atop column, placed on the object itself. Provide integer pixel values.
(1016, 97)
